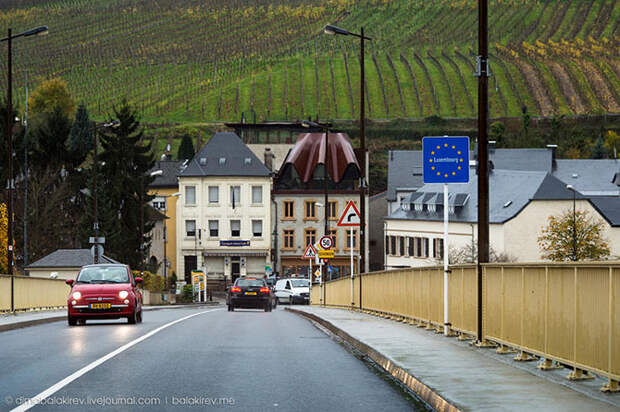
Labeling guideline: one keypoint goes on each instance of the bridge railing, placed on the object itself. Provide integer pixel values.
(568, 313)
(32, 293)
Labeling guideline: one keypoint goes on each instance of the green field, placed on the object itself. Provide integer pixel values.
(212, 60)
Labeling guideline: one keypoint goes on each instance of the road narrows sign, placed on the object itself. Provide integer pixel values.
(310, 253)
(350, 216)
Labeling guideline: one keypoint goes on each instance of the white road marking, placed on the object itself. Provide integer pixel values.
(58, 386)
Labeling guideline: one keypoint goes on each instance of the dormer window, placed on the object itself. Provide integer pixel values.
(247, 160)
(432, 207)
(203, 161)
(222, 161)
(419, 207)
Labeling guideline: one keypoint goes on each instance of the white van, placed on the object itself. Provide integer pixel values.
(293, 290)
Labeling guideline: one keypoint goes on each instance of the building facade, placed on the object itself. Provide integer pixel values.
(224, 213)
(299, 204)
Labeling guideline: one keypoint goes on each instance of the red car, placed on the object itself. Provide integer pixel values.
(104, 292)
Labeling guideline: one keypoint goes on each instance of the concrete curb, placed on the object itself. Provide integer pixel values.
(436, 401)
(34, 322)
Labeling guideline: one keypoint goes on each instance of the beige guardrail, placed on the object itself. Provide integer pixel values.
(32, 293)
(569, 313)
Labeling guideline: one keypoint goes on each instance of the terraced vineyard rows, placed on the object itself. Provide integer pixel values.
(197, 60)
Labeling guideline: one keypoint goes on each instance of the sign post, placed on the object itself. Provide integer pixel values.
(446, 160)
(310, 254)
(350, 218)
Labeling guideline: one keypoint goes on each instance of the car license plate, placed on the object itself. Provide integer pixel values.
(100, 306)
(250, 293)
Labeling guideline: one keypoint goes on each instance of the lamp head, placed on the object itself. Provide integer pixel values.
(37, 31)
(329, 29)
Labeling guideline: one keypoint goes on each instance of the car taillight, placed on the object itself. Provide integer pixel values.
(235, 289)
(264, 290)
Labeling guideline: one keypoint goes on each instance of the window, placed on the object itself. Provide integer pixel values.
(190, 195)
(257, 194)
(310, 210)
(159, 203)
(333, 233)
(257, 228)
(392, 245)
(190, 228)
(235, 195)
(214, 228)
(387, 245)
(235, 228)
(289, 239)
(401, 246)
(289, 209)
(418, 246)
(348, 233)
(438, 248)
(425, 251)
(410, 249)
(214, 194)
(332, 209)
(310, 237)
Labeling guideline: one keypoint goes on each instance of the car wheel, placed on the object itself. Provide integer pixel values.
(81, 322)
(72, 321)
(275, 303)
(231, 308)
(290, 300)
(132, 318)
(267, 307)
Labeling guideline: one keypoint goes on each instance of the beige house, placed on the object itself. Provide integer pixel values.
(224, 212)
(63, 264)
(521, 203)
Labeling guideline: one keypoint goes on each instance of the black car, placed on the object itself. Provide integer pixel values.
(250, 293)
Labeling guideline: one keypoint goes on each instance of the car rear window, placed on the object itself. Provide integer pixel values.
(250, 282)
(111, 274)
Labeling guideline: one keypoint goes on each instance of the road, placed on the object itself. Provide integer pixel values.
(210, 359)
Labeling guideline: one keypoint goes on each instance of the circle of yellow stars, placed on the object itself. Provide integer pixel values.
(445, 145)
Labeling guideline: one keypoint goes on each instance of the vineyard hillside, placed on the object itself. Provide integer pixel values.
(219, 60)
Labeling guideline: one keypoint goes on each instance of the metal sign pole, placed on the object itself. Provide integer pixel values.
(446, 271)
(351, 244)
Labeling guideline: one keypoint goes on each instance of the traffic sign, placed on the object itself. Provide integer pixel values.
(310, 253)
(99, 249)
(326, 254)
(100, 240)
(446, 159)
(350, 216)
(326, 242)
(317, 273)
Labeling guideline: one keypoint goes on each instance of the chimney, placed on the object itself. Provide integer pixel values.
(553, 148)
(269, 159)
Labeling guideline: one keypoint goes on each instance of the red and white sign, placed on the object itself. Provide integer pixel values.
(310, 253)
(350, 216)
(326, 242)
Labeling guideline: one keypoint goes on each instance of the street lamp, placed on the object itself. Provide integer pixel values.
(112, 124)
(333, 30)
(9, 137)
(572, 189)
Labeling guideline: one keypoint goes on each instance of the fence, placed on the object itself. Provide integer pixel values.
(566, 313)
(32, 293)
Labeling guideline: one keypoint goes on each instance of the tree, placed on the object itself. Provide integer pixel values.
(80, 141)
(612, 143)
(186, 149)
(50, 94)
(126, 161)
(497, 132)
(597, 151)
(556, 240)
(50, 139)
(469, 254)
(4, 223)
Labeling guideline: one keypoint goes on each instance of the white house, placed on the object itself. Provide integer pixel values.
(224, 211)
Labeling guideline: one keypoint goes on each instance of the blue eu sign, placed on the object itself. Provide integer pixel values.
(446, 159)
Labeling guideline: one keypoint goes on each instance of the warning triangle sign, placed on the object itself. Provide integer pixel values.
(310, 253)
(350, 216)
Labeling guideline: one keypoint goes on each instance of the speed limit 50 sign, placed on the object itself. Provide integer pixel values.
(326, 242)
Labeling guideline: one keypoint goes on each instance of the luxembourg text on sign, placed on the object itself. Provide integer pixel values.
(446, 159)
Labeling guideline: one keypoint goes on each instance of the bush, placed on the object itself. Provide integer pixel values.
(187, 295)
(150, 281)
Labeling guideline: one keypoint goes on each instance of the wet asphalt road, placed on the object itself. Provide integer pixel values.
(246, 360)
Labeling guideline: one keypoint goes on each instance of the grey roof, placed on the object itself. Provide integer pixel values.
(510, 191)
(591, 177)
(170, 169)
(609, 207)
(404, 171)
(552, 188)
(405, 166)
(68, 258)
(228, 146)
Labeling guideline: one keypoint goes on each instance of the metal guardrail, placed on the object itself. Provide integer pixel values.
(567, 313)
(33, 293)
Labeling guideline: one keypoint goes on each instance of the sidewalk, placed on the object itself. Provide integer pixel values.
(454, 375)
(9, 321)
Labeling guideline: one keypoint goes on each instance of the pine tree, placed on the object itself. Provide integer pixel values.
(50, 139)
(598, 150)
(124, 178)
(81, 140)
(186, 149)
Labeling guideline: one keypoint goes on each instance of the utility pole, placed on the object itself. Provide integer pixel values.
(482, 65)
(9, 138)
(95, 221)
(362, 165)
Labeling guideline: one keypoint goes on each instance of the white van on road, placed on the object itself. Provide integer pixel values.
(293, 290)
